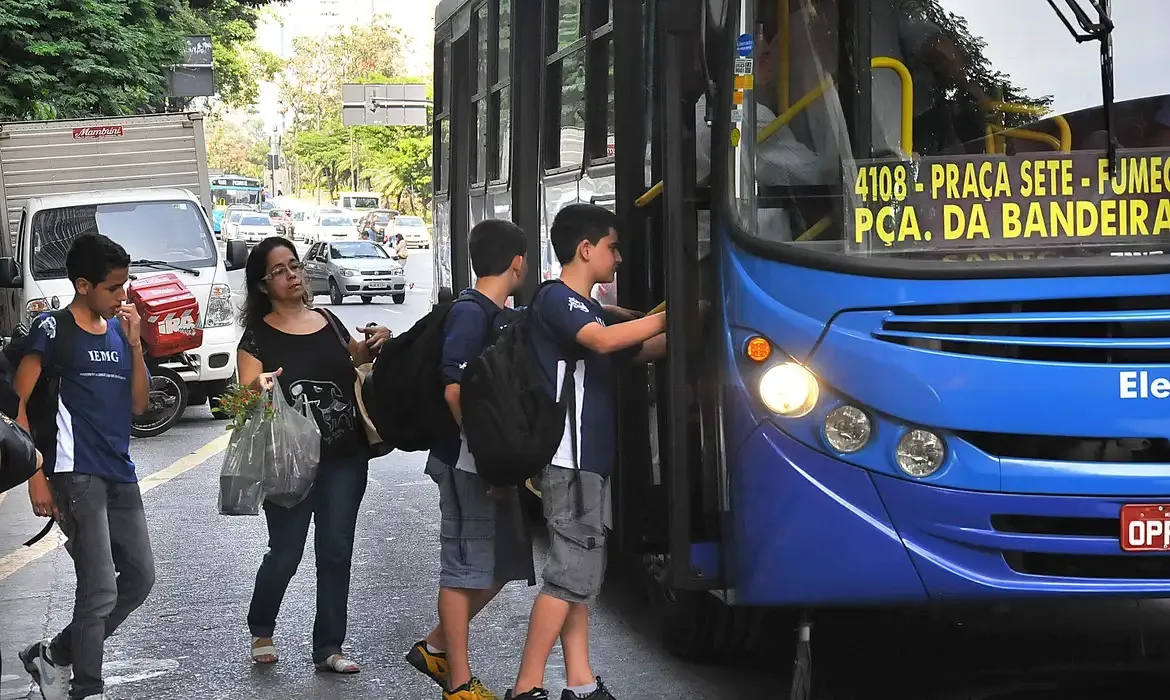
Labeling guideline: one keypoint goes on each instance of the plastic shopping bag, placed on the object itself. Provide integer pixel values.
(292, 450)
(241, 479)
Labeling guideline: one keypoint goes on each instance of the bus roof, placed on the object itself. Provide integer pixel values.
(446, 8)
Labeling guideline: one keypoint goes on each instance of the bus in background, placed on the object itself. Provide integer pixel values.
(227, 190)
(932, 234)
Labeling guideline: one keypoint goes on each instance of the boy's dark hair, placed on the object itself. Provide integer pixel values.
(93, 257)
(579, 222)
(493, 244)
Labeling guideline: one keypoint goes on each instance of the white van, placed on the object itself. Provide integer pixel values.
(163, 230)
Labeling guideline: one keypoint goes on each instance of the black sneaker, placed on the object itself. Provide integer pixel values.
(602, 693)
(534, 694)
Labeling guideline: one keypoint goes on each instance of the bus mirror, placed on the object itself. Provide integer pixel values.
(237, 255)
(9, 274)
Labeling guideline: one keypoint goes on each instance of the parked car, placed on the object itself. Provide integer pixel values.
(253, 228)
(354, 268)
(414, 230)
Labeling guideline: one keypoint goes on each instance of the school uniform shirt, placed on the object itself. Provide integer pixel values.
(464, 338)
(558, 314)
(318, 368)
(94, 409)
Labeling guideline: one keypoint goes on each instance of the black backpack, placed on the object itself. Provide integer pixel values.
(403, 394)
(512, 424)
(42, 406)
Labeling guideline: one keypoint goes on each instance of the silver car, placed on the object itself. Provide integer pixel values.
(354, 268)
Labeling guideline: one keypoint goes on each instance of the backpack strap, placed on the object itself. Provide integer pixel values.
(63, 343)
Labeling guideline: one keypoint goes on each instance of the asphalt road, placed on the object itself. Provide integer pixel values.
(190, 640)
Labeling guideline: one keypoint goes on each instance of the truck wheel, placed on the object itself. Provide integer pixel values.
(367, 300)
(335, 296)
(400, 298)
(168, 400)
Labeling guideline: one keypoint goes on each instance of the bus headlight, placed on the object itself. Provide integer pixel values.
(847, 429)
(920, 453)
(789, 389)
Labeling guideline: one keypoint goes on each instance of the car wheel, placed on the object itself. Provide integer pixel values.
(400, 298)
(335, 296)
(367, 299)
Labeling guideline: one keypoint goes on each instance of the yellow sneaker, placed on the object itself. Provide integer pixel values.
(433, 665)
(473, 690)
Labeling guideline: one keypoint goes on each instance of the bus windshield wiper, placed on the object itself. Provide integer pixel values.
(1101, 31)
(163, 264)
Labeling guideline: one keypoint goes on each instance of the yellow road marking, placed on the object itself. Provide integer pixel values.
(24, 556)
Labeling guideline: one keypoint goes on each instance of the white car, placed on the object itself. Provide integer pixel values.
(333, 227)
(253, 228)
(413, 230)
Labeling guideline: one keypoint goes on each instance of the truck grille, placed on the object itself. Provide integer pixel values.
(1132, 330)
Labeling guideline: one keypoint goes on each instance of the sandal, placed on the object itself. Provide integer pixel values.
(338, 664)
(264, 650)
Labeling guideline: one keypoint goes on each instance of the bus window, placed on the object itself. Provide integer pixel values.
(565, 116)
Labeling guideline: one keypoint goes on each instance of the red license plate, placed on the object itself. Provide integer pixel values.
(1145, 528)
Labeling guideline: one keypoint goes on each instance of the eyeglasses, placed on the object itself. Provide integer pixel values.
(291, 268)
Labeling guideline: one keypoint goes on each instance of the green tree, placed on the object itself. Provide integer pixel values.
(84, 58)
(239, 149)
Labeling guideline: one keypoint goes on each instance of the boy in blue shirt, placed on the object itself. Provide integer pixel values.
(484, 543)
(92, 489)
(573, 333)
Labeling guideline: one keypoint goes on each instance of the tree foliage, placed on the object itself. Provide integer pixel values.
(238, 63)
(392, 160)
(239, 149)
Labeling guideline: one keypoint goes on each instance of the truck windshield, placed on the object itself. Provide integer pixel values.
(173, 232)
(362, 202)
(984, 130)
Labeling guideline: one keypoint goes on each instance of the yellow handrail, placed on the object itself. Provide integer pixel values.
(1065, 142)
(1025, 134)
(812, 96)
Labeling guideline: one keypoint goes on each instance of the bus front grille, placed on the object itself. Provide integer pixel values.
(1129, 330)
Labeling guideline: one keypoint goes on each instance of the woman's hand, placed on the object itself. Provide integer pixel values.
(376, 337)
(40, 493)
(267, 380)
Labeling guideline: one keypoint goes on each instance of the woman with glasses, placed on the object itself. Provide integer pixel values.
(309, 353)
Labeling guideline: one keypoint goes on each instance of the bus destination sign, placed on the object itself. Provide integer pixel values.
(951, 204)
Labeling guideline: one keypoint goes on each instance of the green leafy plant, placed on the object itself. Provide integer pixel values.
(239, 403)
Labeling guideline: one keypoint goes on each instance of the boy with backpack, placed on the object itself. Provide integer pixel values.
(484, 543)
(81, 377)
(578, 348)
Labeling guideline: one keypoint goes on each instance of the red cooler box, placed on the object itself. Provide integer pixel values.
(170, 315)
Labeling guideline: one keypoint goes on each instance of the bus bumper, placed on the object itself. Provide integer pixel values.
(809, 530)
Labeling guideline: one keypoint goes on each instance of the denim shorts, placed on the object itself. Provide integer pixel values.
(484, 540)
(574, 506)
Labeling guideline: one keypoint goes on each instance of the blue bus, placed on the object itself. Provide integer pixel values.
(227, 190)
(932, 234)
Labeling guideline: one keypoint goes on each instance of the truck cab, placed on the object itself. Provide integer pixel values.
(164, 230)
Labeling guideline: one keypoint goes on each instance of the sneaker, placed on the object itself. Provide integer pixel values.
(52, 680)
(600, 694)
(472, 690)
(431, 664)
(534, 694)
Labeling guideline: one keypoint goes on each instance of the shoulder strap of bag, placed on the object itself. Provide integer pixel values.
(63, 342)
(333, 323)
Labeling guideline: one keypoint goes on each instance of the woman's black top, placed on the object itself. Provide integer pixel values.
(318, 367)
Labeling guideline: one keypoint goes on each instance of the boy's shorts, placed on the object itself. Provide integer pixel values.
(484, 541)
(576, 530)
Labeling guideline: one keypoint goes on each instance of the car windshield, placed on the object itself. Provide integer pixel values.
(357, 249)
(299, 216)
(363, 202)
(235, 216)
(984, 137)
(382, 218)
(411, 222)
(253, 220)
(173, 232)
(336, 221)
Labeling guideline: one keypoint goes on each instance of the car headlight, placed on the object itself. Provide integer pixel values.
(847, 429)
(349, 273)
(789, 389)
(920, 453)
(219, 307)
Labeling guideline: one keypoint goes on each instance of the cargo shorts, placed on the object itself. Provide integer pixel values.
(574, 507)
(484, 541)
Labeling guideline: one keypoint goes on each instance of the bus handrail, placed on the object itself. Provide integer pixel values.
(1065, 143)
(813, 95)
(989, 141)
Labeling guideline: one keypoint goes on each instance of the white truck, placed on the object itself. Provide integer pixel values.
(142, 181)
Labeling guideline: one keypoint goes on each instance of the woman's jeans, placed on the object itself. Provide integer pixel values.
(333, 504)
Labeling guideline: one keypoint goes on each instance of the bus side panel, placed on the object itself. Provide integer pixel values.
(810, 531)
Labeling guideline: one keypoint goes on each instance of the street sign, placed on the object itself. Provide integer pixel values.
(384, 105)
(193, 77)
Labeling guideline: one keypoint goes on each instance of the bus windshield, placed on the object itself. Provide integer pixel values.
(227, 196)
(984, 130)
